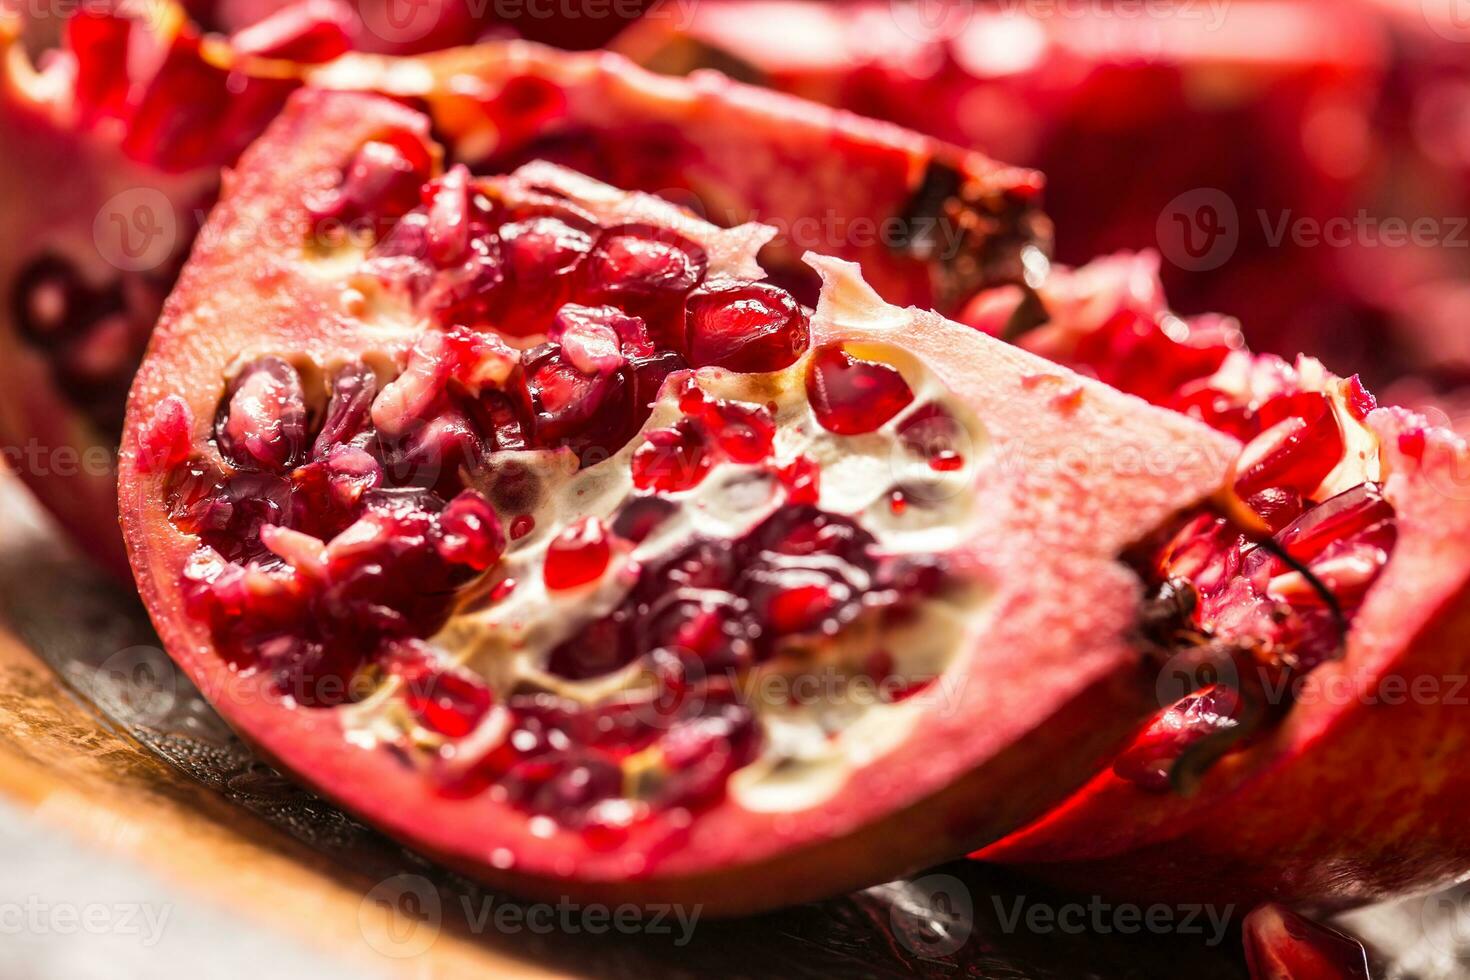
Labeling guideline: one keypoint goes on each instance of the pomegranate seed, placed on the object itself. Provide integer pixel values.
(1297, 452)
(308, 32)
(348, 415)
(802, 479)
(1412, 443)
(745, 433)
(447, 702)
(1136, 353)
(1339, 518)
(753, 327)
(1277, 506)
(851, 396)
(898, 502)
(165, 440)
(578, 555)
(600, 648)
(1148, 761)
(642, 261)
(590, 343)
(641, 516)
(672, 460)
(629, 333)
(471, 532)
(263, 421)
(801, 607)
(1360, 400)
(447, 232)
(382, 181)
(568, 405)
(541, 254)
(522, 525)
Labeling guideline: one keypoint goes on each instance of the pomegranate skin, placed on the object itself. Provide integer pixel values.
(1022, 729)
(691, 140)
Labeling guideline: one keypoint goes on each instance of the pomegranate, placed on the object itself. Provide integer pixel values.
(586, 605)
(1345, 603)
(115, 159)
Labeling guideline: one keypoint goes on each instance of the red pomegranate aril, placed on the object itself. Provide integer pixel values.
(572, 408)
(1339, 518)
(167, 439)
(308, 32)
(1297, 452)
(1149, 760)
(851, 396)
(471, 534)
(802, 480)
(754, 327)
(1134, 352)
(382, 182)
(641, 516)
(521, 525)
(448, 702)
(599, 648)
(541, 256)
(1360, 400)
(349, 408)
(447, 232)
(592, 347)
(643, 262)
(801, 607)
(600, 338)
(674, 459)
(745, 433)
(712, 628)
(471, 292)
(577, 556)
(263, 420)
(1277, 506)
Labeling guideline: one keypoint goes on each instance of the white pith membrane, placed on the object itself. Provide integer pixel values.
(807, 750)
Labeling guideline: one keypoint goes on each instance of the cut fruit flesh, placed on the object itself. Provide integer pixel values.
(465, 728)
(98, 134)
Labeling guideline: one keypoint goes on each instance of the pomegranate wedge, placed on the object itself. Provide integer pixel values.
(1323, 773)
(533, 524)
(112, 161)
